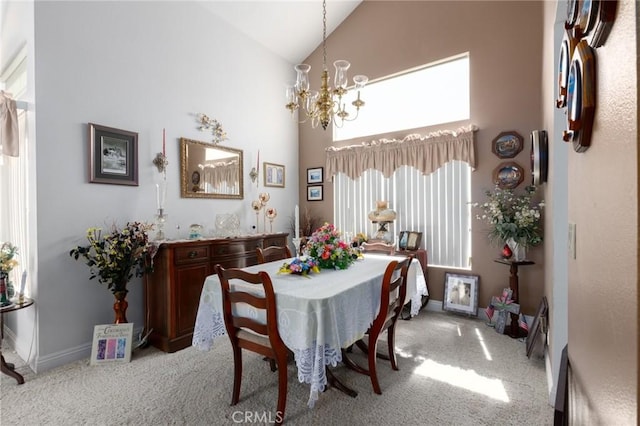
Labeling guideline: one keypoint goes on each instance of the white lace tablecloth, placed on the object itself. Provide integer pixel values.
(317, 316)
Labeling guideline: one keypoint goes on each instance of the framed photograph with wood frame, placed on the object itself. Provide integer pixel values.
(273, 175)
(314, 193)
(113, 156)
(507, 144)
(460, 293)
(314, 175)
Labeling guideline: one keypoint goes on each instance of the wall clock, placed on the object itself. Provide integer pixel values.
(580, 98)
(539, 157)
(566, 51)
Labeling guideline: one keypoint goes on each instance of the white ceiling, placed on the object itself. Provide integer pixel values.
(290, 28)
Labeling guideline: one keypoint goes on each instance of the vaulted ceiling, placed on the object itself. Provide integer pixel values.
(290, 28)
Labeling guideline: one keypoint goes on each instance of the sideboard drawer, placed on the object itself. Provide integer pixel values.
(231, 248)
(191, 254)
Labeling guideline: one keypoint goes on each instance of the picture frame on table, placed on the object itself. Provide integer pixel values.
(113, 155)
(461, 293)
(314, 193)
(315, 175)
(409, 240)
(111, 343)
(273, 175)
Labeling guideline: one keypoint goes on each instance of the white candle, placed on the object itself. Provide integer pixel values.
(23, 283)
(297, 216)
(164, 150)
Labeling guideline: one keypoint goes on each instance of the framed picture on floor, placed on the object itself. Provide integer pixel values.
(111, 343)
(460, 293)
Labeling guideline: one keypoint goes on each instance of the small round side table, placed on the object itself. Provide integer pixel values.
(6, 367)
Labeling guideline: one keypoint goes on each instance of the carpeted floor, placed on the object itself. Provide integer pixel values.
(453, 371)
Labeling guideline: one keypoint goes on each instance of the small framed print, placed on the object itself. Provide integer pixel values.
(314, 193)
(508, 175)
(409, 240)
(113, 155)
(111, 343)
(460, 293)
(507, 144)
(314, 175)
(273, 175)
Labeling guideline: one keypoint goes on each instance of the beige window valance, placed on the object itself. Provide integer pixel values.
(426, 153)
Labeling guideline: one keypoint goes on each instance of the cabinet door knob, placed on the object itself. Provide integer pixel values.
(193, 254)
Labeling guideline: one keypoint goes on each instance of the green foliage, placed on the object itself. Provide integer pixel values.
(511, 215)
(114, 258)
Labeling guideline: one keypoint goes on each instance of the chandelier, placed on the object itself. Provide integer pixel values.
(325, 105)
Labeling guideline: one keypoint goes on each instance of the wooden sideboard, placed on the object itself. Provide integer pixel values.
(172, 290)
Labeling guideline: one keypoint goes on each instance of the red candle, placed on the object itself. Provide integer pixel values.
(164, 152)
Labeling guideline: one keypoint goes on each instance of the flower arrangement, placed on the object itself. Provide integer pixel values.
(114, 258)
(328, 249)
(359, 239)
(512, 216)
(7, 262)
(302, 265)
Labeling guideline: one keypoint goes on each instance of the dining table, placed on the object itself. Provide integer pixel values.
(318, 313)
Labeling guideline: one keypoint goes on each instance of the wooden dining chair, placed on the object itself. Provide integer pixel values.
(378, 247)
(247, 333)
(394, 290)
(269, 254)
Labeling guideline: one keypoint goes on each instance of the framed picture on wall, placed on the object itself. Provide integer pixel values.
(113, 156)
(314, 193)
(460, 293)
(273, 175)
(314, 175)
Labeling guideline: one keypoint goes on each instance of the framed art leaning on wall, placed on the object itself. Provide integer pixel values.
(460, 293)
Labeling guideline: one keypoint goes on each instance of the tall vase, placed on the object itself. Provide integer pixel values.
(519, 250)
(4, 294)
(120, 306)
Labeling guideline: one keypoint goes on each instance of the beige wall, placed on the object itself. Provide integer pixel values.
(381, 38)
(603, 203)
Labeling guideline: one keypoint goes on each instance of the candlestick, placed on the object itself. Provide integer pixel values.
(23, 283)
(297, 222)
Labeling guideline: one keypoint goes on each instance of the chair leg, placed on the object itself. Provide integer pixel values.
(391, 337)
(282, 389)
(351, 364)
(237, 374)
(373, 375)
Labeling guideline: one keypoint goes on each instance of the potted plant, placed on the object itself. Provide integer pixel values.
(513, 218)
(114, 259)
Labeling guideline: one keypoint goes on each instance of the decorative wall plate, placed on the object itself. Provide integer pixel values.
(539, 157)
(581, 98)
(507, 144)
(587, 16)
(566, 51)
(603, 22)
(572, 14)
(508, 175)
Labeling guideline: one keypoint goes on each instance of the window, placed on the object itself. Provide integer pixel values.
(436, 204)
(434, 94)
(14, 188)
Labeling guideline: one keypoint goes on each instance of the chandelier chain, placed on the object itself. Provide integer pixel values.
(324, 34)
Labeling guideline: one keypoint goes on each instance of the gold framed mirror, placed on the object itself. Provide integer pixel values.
(210, 171)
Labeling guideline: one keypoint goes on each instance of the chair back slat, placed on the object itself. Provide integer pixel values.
(393, 292)
(272, 253)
